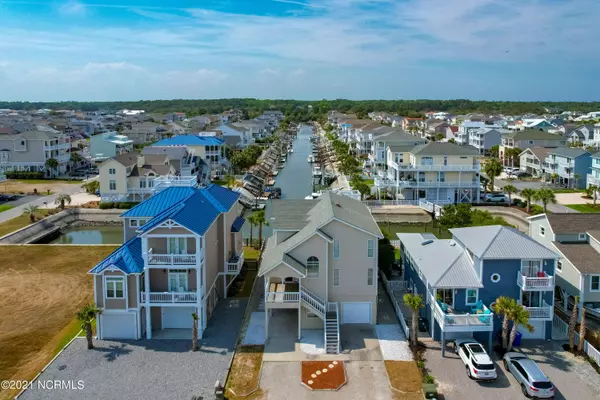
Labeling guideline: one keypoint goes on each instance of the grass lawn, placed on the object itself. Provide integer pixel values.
(370, 182)
(41, 289)
(244, 376)
(558, 191)
(250, 253)
(42, 186)
(404, 376)
(389, 230)
(17, 223)
(585, 208)
(220, 182)
(5, 207)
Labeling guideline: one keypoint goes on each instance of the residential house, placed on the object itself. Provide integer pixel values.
(242, 132)
(483, 139)
(320, 266)
(576, 237)
(208, 148)
(30, 150)
(184, 160)
(436, 172)
(434, 127)
(461, 278)
(466, 128)
(530, 123)
(533, 161)
(412, 125)
(183, 249)
(451, 133)
(570, 164)
(583, 136)
(334, 117)
(108, 145)
(145, 132)
(593, 178)
(383, 137)
(527, 138)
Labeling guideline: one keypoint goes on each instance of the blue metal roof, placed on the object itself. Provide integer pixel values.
(190, 140)
(225, 197)
(237, 224)
(159, 202)
(128, 258)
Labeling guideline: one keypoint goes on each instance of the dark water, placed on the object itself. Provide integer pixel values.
(295, 179)
(91, 235)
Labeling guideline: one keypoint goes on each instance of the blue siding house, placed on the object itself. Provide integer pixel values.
(461, 278)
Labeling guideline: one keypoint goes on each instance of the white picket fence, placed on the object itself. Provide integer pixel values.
(560, 330)
(390, 287)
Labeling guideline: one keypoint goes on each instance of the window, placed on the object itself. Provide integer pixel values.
(336, 249)
(472, 296)
(495, 277)
(336, 277)
(595, 283)
(142, 184)
(112, 185)
(559, 266)
(542, 231)
(142, 222)
(370, 272)
(442, 177)
(312, 267)
(370, 248)
(582, 236)
(112, 171)
(178, 280)
(176, 245)
(133, 223)
(114, 287)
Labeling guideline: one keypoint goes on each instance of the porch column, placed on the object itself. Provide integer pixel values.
(490, 342)
(266, 324)
(148, 323)
(443, 345)
(299, 320)
(147, 303)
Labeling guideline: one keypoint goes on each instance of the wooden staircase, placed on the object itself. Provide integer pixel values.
(329, 313)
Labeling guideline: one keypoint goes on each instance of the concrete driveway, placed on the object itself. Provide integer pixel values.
(147, 369)
(573, 378)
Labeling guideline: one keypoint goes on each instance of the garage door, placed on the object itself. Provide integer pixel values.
(118, 326)
(538, 333)
(356, 313)
(177, 317)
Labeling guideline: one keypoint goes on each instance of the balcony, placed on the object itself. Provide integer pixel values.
(543, 313)
(473, 167)
(282, 295)
(169, 297)
(457, 321)
(164, 182)
(535, 283)
(170, 259)
(592, 180)
(235, 263)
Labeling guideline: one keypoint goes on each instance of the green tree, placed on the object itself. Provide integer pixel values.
(509, 190)
(495, 151)
(52, 164)
(252, 220)
(573, 324)
(229, 181)
(86, 315)
(386, 256)
(31, 211)
(260, 221)
(519, 317)
(91, 186)
(61, 199)
(582, 330)
(493, 169)
(528, 194)
(554, 178)
(545, 196)
(576, 178)
(75, 158)
(456, 215)
(503, 307)
(415, 303)
(195, 332)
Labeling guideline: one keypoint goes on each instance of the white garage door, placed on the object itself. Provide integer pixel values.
(538, 333)
(356, 313)
(177, 317)
(118, 326)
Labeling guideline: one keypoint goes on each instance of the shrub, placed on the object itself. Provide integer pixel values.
(24, 175)
(428, 379)
(119, 205)
(420, 364)
(536, 209)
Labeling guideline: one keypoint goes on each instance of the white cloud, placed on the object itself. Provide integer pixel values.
(73, 7)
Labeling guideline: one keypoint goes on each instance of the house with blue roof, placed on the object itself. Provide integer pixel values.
(461, 278)
(208, 148)
(183, 249)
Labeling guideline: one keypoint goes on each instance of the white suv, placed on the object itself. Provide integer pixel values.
(477, 363)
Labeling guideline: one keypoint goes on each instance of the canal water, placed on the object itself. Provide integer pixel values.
(295, 179)
(91, 235)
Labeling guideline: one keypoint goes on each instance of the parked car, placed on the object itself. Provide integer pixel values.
(510, 170)
(534, 383)
(477, 362)
(496, 198)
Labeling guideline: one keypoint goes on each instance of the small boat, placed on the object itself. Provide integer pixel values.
(311, 159)
(317, 171)
(291, 150)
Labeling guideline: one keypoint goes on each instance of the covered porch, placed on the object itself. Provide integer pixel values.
(172, 322)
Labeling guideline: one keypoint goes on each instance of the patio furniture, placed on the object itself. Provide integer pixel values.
(485, 319)
(443, 306)
(477, 307)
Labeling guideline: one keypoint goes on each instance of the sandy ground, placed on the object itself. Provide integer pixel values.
(12, 186)
(76, 200)
(573, 198)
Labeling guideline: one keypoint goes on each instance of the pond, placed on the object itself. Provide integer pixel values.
(90, 235)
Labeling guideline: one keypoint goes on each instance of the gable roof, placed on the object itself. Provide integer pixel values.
(500, 242)
(566, 223)
(445, 149)
(189, 140)
(583, 256)
(532, 134)
(128, 258)
(159, 202)
(569, 152)
(539, 152)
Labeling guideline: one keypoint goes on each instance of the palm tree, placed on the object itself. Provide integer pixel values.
(252, 221)
(554, 177)
(528, 194)
(504, 306)
(51, 164)
(75, 158)
(520, 317)
(229, 181)
(545, 196)
(594, 189)
(484, 182)
(195, 332)
(91, 187)
(509, 190)
(86, 315)
(573, 324)
(31, 211)
(492, 169)
(576, 177)
(61, 199)
(581, 331)
(415, 302)
(260, 221)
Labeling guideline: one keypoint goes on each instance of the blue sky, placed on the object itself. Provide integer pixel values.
(304, 49)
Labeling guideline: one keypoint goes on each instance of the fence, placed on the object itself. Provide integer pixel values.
(381, 203)
(561, 327)
(389, 288)
(395, 243)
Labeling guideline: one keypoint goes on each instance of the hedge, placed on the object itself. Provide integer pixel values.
(24, 175)
(122, 205)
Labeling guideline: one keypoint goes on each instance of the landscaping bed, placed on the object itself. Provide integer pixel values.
(323, 375)
(244, 376)
(404, 376)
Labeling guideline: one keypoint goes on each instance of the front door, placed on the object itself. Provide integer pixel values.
(532, 299)
(178, 280)
(176, 245)
(446, 296)
(530, 268)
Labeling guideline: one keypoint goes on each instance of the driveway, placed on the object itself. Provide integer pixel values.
(147, 369)
(572, 377)
(520, 185)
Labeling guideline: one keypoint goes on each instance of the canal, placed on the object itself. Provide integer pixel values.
(90, 235)
(295, 179)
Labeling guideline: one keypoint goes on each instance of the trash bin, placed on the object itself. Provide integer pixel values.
(517, 341)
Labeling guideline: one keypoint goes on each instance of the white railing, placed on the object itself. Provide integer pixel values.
(312, 300)
(561, 327)
(171, 259)
(381, 203)
(461, 322)
(390, 291)
(234, 267)
(282, 297)
(544, 312)
(395, 243)
(169, 297)
(164, 182)
(426, 205)
(535, 282)
(474, 167)
(333, 307)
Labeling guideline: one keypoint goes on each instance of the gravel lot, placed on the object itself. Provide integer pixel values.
(147, 369)
(393, 343)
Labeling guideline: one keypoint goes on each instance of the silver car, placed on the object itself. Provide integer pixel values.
(534, 383)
